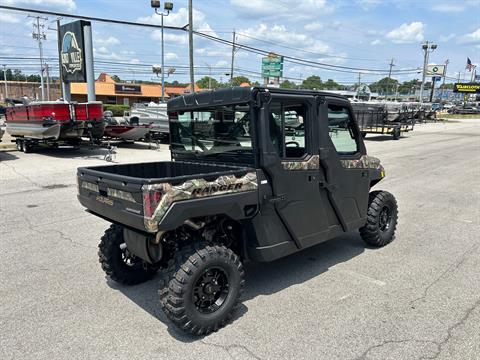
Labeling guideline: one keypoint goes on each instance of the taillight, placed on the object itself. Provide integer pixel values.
(151, 199)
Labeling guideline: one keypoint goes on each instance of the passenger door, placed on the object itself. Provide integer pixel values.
(341, 151)
(303, 209)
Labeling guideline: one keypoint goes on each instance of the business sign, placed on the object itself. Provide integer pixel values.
(272, 66)
(72, 51)
(438, 70)
(466, 88)
(436, 78)
(127, 89)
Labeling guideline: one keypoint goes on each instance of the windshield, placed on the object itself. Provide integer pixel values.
(222, 129)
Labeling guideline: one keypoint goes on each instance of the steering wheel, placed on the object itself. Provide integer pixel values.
(292, 143)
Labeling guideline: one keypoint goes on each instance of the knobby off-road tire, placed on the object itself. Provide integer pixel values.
(202, 288)
(382, 218)
(117, 263)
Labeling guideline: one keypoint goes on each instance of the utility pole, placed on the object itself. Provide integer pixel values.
(60, 69)
(190, 43)
(358, 84)
(48, 82)
(39, 35)
(444, 77)
(389, 77)
(5, 81)
(209, 76)
(233, 58)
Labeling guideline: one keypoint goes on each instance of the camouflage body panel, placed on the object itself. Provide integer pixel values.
(365, 162)
(311, 163)
(195, 188)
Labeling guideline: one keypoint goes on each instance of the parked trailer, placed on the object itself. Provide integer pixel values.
(380, 118)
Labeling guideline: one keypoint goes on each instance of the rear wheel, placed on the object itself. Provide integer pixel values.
(382, 217)
(202, 288)
(118, 263)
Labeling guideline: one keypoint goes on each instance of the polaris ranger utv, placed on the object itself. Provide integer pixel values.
(255, 174)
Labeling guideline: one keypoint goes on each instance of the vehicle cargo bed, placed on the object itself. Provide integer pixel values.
(115, 192)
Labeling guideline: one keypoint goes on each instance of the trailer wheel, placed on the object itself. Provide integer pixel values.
(202, 288)
(18, 142)
(118, 263)
(396, 133)
(26, 147)
(382, 218)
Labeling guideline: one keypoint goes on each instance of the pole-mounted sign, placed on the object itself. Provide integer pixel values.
(72, 51)
(436, 70)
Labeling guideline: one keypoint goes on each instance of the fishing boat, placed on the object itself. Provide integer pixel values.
(123, 129)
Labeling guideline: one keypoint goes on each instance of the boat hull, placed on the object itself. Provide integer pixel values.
(126, 132)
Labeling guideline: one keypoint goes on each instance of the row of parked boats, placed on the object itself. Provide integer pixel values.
(58, 122)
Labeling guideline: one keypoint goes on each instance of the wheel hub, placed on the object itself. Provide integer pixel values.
(385, 218)
(210, 290)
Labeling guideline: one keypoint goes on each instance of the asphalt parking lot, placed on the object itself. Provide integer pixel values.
(419, 297)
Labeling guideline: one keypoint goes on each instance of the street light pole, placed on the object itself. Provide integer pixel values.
(168, 6)
(427, 48)
(190, 43)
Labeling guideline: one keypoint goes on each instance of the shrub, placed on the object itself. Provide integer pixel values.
(117, 110)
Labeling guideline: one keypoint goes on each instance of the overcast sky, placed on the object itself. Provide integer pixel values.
(353, 33)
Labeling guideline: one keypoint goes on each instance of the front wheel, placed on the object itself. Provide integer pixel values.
(202, 289)
(382, 218)
(118, 263)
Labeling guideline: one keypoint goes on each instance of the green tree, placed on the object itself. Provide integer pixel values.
(288, 85)
(312, 82)
(384, 86)
(408, 87)
(207, 82)
(330, 84)
(237, 80)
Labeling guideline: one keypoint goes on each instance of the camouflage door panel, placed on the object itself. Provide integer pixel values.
(312, 163)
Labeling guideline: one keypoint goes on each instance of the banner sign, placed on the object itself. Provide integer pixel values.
(72, 51)
(438, 70)
(466, 88)
(128, 89)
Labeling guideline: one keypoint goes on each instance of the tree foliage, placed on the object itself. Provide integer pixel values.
(312, 82)
(288, 85)
(238, 80)
(207, 82)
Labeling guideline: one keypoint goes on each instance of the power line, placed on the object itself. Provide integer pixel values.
(325, 66)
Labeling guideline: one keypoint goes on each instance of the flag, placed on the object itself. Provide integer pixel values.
(469, 65)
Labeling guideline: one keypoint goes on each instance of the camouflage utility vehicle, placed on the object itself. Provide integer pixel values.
(255, 174)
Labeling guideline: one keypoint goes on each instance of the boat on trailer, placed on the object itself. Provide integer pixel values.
(53, 123)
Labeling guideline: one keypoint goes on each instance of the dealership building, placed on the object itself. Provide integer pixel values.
(110, 92)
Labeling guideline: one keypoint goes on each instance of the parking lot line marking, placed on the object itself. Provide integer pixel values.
(364, 277)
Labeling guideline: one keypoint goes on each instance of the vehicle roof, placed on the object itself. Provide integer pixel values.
(235, 95)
